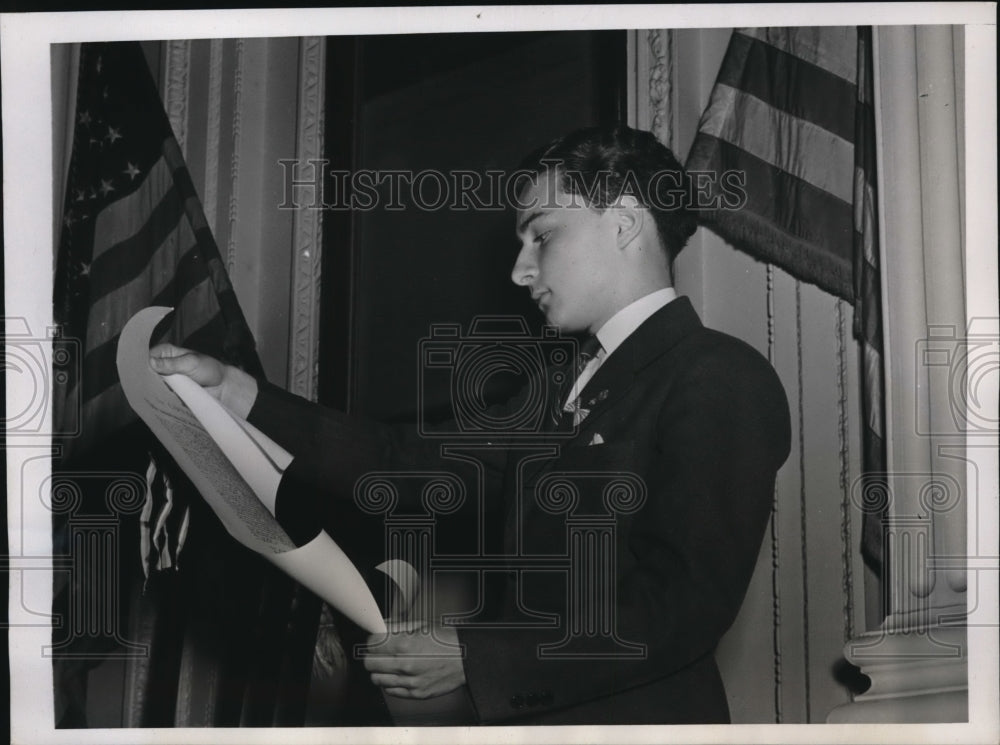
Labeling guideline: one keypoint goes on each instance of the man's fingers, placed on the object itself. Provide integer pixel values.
(167, 350)
(404, 627)
(206, 371)
(389, 680)
(388, 663)
(167, 359)
(399, 692)
(401, 687)
(183, 362)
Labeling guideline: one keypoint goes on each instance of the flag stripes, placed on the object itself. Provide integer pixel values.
(812, 92)
(131, 257)
(829, 47)
(782, 115)
(237, 342)
(134, 235)
(793, 145)
(819, 247)
(123, 218)
(164, 278)
(99, 367)
(792, 112)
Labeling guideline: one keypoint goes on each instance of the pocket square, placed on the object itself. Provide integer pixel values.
(596, 440)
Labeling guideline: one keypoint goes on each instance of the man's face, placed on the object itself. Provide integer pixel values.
(568, 258)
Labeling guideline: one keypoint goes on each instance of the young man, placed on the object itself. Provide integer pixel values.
(694, 425)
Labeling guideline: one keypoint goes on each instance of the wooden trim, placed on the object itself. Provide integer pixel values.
(234, 164)
(176, 75)
(661, 85)
(213, 133)
(336, 352)
(303, 371)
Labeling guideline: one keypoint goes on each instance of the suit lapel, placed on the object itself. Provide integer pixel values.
(653, 338)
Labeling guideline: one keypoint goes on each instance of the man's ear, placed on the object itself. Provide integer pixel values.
(630, 218)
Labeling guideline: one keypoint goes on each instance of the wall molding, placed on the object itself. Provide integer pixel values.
(660, 46)
(234, 163)
(213, 133)
(650, 84)
(303, 373)
(176, 77)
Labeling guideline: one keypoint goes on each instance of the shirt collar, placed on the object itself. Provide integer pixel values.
(621, 325)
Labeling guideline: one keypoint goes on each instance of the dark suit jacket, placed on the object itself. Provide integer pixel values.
(693, 424)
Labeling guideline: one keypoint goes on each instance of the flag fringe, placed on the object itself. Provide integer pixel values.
(762, 240)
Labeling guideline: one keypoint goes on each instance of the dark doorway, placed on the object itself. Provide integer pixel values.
(445, 103)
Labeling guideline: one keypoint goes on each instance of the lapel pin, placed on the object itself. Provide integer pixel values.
(598, 398)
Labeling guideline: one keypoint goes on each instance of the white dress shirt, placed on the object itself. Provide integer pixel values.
(616, 330)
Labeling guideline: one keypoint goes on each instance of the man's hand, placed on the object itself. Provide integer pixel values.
(206, 371)
(412, 662)
(228, 384)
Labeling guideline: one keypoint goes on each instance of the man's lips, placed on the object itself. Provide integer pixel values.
(539, 297)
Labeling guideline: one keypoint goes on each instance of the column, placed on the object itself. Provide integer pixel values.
(917, 659)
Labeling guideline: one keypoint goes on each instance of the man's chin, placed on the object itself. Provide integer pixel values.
(553, 319)
(565, 325)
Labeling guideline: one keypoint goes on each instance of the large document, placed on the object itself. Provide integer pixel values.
(238, 471)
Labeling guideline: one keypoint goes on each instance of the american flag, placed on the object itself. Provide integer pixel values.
(792, 109)
(133, 235)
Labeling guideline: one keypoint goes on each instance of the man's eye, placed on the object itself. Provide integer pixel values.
(542, 238)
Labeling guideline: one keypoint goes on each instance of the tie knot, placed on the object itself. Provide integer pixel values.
(589, 348)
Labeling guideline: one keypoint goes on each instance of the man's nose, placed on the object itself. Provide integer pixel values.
(524, 270)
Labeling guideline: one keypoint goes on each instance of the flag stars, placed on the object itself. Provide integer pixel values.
(84, 118)
(68, 219)
(84, 270)
(106, 187)
(81, 195)
(113, 135)
(131, 171)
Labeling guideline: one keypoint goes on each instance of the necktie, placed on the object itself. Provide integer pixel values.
(587, 361)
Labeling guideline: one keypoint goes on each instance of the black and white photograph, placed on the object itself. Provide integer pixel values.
(491, 374)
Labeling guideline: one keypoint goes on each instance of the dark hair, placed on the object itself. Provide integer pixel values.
(602, 164)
